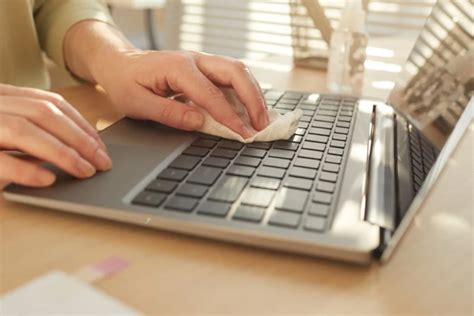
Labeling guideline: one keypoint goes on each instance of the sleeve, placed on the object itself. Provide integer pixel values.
(54, 17)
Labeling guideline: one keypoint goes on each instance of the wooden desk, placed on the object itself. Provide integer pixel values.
(431, 273)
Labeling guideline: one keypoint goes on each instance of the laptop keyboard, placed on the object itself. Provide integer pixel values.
(291, 183)
(422, 155)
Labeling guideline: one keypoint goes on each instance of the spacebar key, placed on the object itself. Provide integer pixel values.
(228, 189)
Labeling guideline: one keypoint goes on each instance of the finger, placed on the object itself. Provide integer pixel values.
(24, 172)
(45, 115)
(193, 84)
(18, 133)
(166, 111)
(230, 72)
(58, 101)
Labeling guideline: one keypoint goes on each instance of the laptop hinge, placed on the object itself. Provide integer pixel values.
(380, 207)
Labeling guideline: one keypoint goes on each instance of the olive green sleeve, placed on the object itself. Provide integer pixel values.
(54, 17)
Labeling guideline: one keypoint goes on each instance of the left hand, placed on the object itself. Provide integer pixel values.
(139, 83)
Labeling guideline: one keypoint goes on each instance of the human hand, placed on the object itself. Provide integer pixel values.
(139, 83)
(44, 125)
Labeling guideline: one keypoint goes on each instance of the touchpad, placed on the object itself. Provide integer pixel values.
(136, 151)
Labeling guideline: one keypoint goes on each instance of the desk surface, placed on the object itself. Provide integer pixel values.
(431, 271)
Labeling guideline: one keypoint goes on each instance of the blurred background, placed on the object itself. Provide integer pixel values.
(265, 34)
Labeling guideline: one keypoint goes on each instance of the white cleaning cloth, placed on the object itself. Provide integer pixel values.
(279, 127)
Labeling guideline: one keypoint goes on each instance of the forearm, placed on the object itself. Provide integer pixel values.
(89, 45)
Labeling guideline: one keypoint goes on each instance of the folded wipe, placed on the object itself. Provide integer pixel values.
(279, 127)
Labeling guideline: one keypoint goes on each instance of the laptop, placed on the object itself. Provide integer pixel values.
(345, 186)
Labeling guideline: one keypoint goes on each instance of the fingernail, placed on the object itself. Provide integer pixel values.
(103, 160)
(84, 168)
(247, 132)
(45, 178)
(264, 120)
(193, 120)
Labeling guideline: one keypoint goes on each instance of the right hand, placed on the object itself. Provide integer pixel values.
(44, 125)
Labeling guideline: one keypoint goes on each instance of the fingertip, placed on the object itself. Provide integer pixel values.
(247, 132)
(45, 179)
(193, 120)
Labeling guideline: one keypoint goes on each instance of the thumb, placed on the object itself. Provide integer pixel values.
(168, 111)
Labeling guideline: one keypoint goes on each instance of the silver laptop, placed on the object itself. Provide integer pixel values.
(345, 186)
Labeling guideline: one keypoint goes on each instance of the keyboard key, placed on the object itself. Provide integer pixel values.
(224, 153)
(312, 99)
(341, 130)
(314, 146)
(298, 183)
(320, 124)
(308, 112)
(285, 106)
(291, 200)
(300, 131)
(254, 152)
(216, 162)
(247, 161)
(327, 112)
(319, 209)
(293, 95)
(295, 139)
(338, 144)
(319, 131)
(271, 172)
(241, 171)
(315, 223)
(305, 118)
(325, 187)
(257, 197)
(279, 153)
(306, 163)
(277, 162)
(164, 186)
(261, 145)
(206, 143)
(334, 159)
(149, 199)
(196, 151)
(284, 219)
(330, 167)
(193, 190)
(173, 174)
(336, 151)
(317, 138)
(323, 198)
(312, 154)
(228, 189)
(181, 203)
(303, 173)
(328, 119)
(285, 145)
(303, 125)
(339, 137)
(327, 176)
(212, 208)
(284, 100)
(249, 213)
(231, 144)
(343, 122)
(273, 94)
(265, 183)
(185, 162)
(205, 175)
(330, 107)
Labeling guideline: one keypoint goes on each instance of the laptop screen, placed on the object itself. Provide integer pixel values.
(437, 81)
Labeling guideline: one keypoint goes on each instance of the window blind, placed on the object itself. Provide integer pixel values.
(253, 29)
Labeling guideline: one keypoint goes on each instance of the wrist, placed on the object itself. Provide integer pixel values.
(91, 47)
